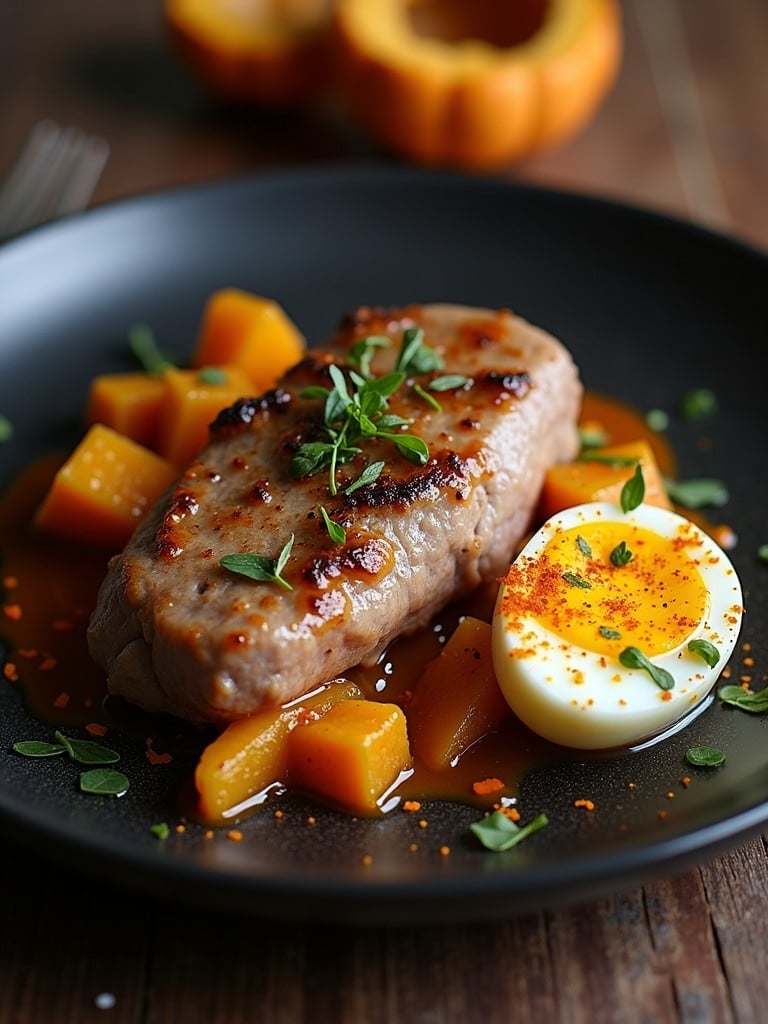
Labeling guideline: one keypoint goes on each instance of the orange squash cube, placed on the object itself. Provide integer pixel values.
(457, 700)
(192, 400)
(351, 755)
(250, 754)
(600, 475)
(251, 332)
(103, 489)
(130, 403)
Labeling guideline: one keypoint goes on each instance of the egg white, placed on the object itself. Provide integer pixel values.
(576, 697)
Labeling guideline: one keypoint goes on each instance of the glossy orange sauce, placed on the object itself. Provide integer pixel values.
(48, 589)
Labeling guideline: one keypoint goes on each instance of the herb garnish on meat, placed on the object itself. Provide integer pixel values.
(362, 414)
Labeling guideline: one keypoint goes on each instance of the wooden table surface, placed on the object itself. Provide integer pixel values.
(684, 131)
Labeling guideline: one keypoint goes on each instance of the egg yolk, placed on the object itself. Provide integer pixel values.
(604, 586)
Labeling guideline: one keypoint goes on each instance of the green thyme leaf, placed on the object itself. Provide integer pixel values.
(37, 748)
(576, 581)
(362, 352)
(698, 404)
(608, 633)
(415, 356)
(620, 554)
(498, 832)
(336, 532)
(261, 568)
(633, 657)
(429, 399)
(756, 703)
(705, 650)
(161, 830)
(370, 474)
(704, 757)
(449, 382)
(762, 553)
(212, 375)
(413, 448)
(315, 391)
(86, 751)
(583, 546)
(614, 461)
(633, 491)
(104, 782)
(144, 347)
(357, 410)
(6, 429)
(698, 493)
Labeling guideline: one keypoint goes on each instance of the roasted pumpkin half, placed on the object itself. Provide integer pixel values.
(268, 52)
(475, 83)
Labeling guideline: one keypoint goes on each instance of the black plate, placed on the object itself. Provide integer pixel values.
(650, 308)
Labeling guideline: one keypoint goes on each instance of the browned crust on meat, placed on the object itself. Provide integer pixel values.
(196, 640)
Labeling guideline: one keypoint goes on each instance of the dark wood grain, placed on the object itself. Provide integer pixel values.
(684, 131)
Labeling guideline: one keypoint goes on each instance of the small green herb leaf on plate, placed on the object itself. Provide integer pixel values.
(104, 782)
(212, 375)
(142, 341)
(498, 832)
(86, 751)
(38, 748)
(161, 830)
(700, 493)
(704, 757)
(698, 404)
(756, 703)
(6, 428)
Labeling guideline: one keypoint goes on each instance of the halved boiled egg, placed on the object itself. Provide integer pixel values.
(611, 626)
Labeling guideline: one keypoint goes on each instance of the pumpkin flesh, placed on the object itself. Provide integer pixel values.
(460, 95)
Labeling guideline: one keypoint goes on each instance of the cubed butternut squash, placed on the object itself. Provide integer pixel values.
(251, 332)
(457, 699)
(352, 755)
(129, 403)
(103, 489)
(599, 475)
(250, 754)
(191, 402)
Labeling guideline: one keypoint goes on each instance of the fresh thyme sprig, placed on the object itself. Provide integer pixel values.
(261, 568)
(357, 410)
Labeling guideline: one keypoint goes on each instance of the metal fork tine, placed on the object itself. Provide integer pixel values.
(83, 175)
(19, 187)
(55, 173)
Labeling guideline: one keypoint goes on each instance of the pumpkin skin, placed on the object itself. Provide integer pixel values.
(272, 55)
(452, 97)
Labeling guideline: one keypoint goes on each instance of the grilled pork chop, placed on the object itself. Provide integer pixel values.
(426, 512)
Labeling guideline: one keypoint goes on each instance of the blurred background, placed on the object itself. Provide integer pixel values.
(684, 128)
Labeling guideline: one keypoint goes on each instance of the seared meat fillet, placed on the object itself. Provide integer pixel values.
(176, 632)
